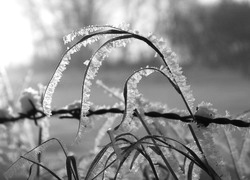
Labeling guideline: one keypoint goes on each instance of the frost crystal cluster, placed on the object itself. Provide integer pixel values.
(67, 57)
(172, 68)
(118, 37)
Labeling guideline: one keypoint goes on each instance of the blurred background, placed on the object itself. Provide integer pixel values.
(210, 37)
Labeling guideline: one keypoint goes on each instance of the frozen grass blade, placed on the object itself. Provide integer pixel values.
(97, 159)
(190, 170)
(158, 149)
(119, 37)
(92, 68)
(114, 145)
(65, 60)
(134, 146)
(200, 162)
(131, 93)
(115, 42)
(71, 168)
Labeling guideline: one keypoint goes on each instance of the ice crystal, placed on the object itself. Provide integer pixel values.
(172, 68)
(86, 62)
(61, 67)
(53, 83)
(133, 96)
(90, 29)
(81, 32)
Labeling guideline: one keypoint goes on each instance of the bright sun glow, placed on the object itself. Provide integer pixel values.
(16, 38)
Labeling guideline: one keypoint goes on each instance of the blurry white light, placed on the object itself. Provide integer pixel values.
(16, 38)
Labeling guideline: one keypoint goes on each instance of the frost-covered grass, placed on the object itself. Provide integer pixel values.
(134, 138)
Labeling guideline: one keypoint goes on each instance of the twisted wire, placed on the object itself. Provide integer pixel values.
(75, 114)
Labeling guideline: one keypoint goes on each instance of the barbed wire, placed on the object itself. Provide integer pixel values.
(75, 114)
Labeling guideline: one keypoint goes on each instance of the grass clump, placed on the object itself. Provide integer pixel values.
(171, 143)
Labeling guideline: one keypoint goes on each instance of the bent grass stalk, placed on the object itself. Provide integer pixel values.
(121, 148)
(58, 73)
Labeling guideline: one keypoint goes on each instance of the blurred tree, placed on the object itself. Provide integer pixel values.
(217, 36)
(51, 20)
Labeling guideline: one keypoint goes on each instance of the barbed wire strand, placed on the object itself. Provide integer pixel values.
(75, 114)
